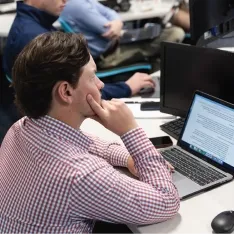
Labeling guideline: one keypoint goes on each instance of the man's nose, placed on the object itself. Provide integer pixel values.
(100, 84)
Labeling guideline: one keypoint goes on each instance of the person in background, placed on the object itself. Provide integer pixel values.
(35, 17)
(179, 15)
(54, 177)
(102, 28)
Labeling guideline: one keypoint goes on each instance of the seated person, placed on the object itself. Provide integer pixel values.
(102, 28)
(35, 17)
(179, 15)
(57, 179)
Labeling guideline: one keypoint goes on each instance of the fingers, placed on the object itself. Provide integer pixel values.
(108, 34)
(143, 77)
(97, 109)
(107, 25)
(149, 79)
(147, 84)
(170, 167)
(106, 105)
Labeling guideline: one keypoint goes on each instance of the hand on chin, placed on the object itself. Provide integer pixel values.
(90, 114)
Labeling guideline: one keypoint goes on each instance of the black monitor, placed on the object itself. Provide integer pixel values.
(210, 19)
(185, 69)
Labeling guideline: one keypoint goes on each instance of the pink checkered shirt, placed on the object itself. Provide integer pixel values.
(55, 179)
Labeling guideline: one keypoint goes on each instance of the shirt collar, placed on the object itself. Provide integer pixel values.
(34, 13)
(63, 131)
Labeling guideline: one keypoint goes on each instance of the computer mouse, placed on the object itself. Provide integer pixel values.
(223, 222)
(145, 90)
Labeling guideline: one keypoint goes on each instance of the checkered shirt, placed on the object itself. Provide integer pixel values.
(56, 179)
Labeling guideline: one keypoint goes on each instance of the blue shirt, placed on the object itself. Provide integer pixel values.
(89, 17)
(28, 24)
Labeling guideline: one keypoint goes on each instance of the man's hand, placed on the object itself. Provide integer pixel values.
(131, 166)
(170, 167)
(114, 29)
(114, 115)
(132, 169)
(139, 81)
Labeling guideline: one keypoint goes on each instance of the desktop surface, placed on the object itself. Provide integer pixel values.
(195, 214)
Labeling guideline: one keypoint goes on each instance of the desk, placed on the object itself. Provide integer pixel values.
(147, 9)
(196, 213)
(155, 8)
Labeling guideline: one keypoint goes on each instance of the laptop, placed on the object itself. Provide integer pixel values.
(204, 155)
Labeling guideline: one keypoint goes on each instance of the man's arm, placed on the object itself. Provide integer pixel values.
(102, 193)
(116, 90)
(114, 25)
(113, 152)
(107, 12)
(85, 14)
(125, 89)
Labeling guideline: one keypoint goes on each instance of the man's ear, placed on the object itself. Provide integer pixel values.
(64, 92)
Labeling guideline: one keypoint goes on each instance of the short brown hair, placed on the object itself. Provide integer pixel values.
(49, 58)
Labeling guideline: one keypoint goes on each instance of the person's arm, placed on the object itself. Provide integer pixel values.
(125, 89)
(86, 15)
(99, 192)
(107, 12)
(116, 90)
(114, 25)
(113, 152)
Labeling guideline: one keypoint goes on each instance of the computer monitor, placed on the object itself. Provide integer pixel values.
(185, 69)
(210, 20)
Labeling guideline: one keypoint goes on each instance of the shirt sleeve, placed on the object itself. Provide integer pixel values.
(86, 15)
(107, 12)
(113, 152)
(116, 90)
(102, 193)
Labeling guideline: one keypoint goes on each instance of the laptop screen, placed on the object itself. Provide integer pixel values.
(209, 130)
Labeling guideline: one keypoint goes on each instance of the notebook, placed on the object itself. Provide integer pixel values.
(204, 155)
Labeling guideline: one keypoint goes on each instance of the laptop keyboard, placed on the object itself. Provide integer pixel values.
(173, 128)
(191, 168)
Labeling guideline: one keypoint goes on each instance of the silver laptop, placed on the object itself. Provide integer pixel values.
(204, 155)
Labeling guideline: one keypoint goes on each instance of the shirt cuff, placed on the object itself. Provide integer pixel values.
(128, 91)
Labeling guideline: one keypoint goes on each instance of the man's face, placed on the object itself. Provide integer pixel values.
(54, 7)
(88, 84)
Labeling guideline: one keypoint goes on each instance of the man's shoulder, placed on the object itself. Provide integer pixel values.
(27, 27)
(23, 31)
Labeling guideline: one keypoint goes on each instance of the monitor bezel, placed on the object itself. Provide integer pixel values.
(163, 108)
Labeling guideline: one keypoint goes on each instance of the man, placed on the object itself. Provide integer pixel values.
(54, 177)
(102, 28)
(35, 17)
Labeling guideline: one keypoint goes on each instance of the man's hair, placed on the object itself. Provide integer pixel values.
(49, 58)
